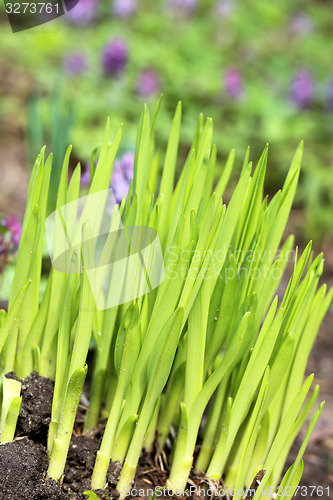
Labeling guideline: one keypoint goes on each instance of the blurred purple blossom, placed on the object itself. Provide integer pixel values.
(233, 81)
(148, 83)
(83, 13)
(85, 177)
(14, 228)
(124, 8)
(187, 5)
(75, 63)
(123, 170)
(115, 56)
(302, 88)
(122, 174)
(301, 24)
(223, 8)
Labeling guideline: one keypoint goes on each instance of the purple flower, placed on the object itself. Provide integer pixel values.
(14, 228)
(301, 24)
(187, 5)
(75, 63)
(83, 13)
(122, 174)
(124, 8)
(184, 5)
(302, 88)
(115, 57)
(123, 170)
(85, 177)
(148, 83)
(224, 8)
(233, 82)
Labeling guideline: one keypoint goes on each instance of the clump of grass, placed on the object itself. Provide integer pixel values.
(213, 331)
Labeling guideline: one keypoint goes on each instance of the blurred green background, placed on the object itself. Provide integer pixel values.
(262, 70)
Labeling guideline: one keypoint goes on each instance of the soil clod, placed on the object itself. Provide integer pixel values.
(35, 414)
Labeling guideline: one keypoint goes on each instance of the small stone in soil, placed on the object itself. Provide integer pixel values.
(114, 494)
(69, 477)
(74, 486)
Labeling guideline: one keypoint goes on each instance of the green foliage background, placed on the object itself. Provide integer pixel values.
(191, 52)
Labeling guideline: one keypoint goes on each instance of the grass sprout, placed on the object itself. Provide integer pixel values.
(212, 348)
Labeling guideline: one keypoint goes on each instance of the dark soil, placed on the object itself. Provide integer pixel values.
(23, 466)
(36, 405)
(23, 462)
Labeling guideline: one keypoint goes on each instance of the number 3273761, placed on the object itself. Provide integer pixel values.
(32, 8)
